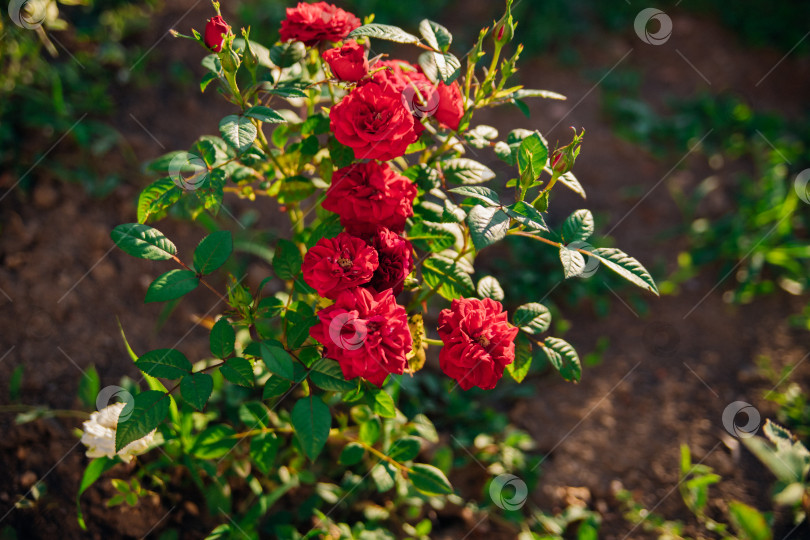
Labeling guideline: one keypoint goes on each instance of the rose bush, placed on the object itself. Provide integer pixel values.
(376, 167)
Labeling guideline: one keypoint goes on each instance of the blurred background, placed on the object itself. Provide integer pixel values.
(696, 161)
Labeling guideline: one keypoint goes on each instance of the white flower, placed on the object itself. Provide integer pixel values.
(99, 435)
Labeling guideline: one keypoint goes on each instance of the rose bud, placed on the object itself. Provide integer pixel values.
(348, 63)
(215, 31)
(563, 158)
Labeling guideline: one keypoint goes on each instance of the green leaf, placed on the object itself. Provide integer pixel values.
(143, 241)
(405, 449)
(532, 318)
(532, 155)
(173, 284)
(89, 387)
(311, 420)
(433, 237)
(481, 193)
(452, 281)
(287, 260)
(222, 338)
(207, 79)
(327, 375)
(564, 358)
(527, 215)
(93, 472)
(278, 361)
(165, 363)
(448, 67)
(383, 31)
(275, 387)
(149, 410)
(239, 371)
(487, 225)
(196, 389)
(352, 454)
(749, 522)
(370, 431)
(285, 55)
(627, 267)
(156, 198)
(578, 226)
(263, 450)
(238, 131)
(466, 171)
(436, 35)
(519, 368)
(489, 287)
(213, 251)
(384, 404)
(572, 261)
(779, 436)
(265, 114)
(213, 442)
(342, 155)
(429, 480)
(383, 474)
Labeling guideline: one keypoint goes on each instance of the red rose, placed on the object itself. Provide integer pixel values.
(369, 194)
(451, 105)
(418, 94)
(316, 22)
(336, 264)
(366, 333)
(396, 261)
(372, 120)
(478, 342)
(348, 63)
(215, 31)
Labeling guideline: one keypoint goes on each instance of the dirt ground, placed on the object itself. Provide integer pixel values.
(664, 380)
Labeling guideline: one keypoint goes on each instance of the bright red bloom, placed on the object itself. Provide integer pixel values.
(418, 94)
(336, 264)
(370, 194)
(373, 121)
(478, 342)
(316, 22)
(396, 261)
(349, 62)
(451, 105)
(215, 31)
(366, 333)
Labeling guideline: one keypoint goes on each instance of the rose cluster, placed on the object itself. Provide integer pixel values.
(363, 269)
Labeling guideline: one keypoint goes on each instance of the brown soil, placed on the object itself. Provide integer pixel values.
(664, 380)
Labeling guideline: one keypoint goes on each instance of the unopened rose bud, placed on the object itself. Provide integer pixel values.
(563, 158)
(504, 30)
(215, 31)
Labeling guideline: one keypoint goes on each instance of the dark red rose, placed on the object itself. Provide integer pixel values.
(366, 333)
(451, 105)
(316, 22)
(417, 92)
(478, 342)
(372, 120)
(336, 264)
(370, 194)
(348, 63)
(396, 261)
(215, 31)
